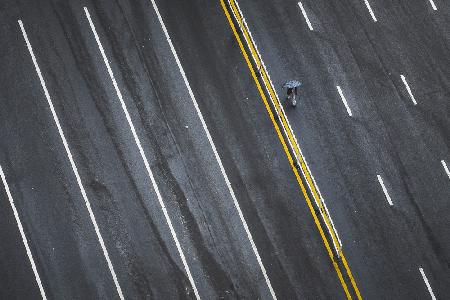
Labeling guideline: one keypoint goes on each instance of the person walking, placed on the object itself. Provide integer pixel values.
(292, 96)
(292, 86)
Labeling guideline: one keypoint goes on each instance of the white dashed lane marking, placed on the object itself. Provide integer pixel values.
(388, 198)
(143, 155)
(408, 89)
(72, 163)
(445, 168)
(425, 279)
(305, 15)
(433, 5)
(344, 100)
(22, 233)
(370, 10)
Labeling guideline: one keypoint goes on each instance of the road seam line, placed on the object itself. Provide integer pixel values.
(143, 155)
(408, 89)
(305, 16)
(425, 279)
(344, 100)
(22, 233)
(72, 162)
(216, 154)
(385, 191)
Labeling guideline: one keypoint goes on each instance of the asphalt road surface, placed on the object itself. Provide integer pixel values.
(139, 159)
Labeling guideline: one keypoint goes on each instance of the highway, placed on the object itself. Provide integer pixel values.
(147, 150)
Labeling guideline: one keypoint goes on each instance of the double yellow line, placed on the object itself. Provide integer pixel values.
(293, 144)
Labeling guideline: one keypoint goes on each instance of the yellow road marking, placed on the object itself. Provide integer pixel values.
(286, 126)
(296, 148)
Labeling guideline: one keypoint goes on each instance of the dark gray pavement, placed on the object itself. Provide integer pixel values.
(17, 279)
(389, 136)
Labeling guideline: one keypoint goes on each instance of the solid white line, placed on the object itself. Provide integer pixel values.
(143, 155)
(216, 154)
(305, 15)
(427, 283)
(445, 168)
(295, 138)
(370, 10)
(22, 233)
(72, 163)
(388, 198)
(408, 89)
(433, 5)
(344, 100)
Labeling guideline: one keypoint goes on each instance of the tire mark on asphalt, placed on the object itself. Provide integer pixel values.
(81, 55)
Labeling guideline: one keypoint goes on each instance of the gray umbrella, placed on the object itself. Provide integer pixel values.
(292, 84)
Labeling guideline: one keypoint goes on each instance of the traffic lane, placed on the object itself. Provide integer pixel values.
(211, 279)
(228, 263)
(421, 53)
(62, 239)
(419, 134)
(224, 231)
(276, 212)
(136, 235)
(420, 12)
(411, 39)
(217, 253)
(347, 169)
(18, 281)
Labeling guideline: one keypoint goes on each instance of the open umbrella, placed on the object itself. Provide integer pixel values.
(290, 84)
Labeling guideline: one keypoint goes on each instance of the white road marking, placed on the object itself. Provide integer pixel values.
(344, 100)
(216, 154)
(445, 168)
(72, 163)
(427, 283)
(305, 15)
(22, 233)
(433, 5)
(408, 89)
(143, 155)
(388, 198)
(370, 10)
(293, 135)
